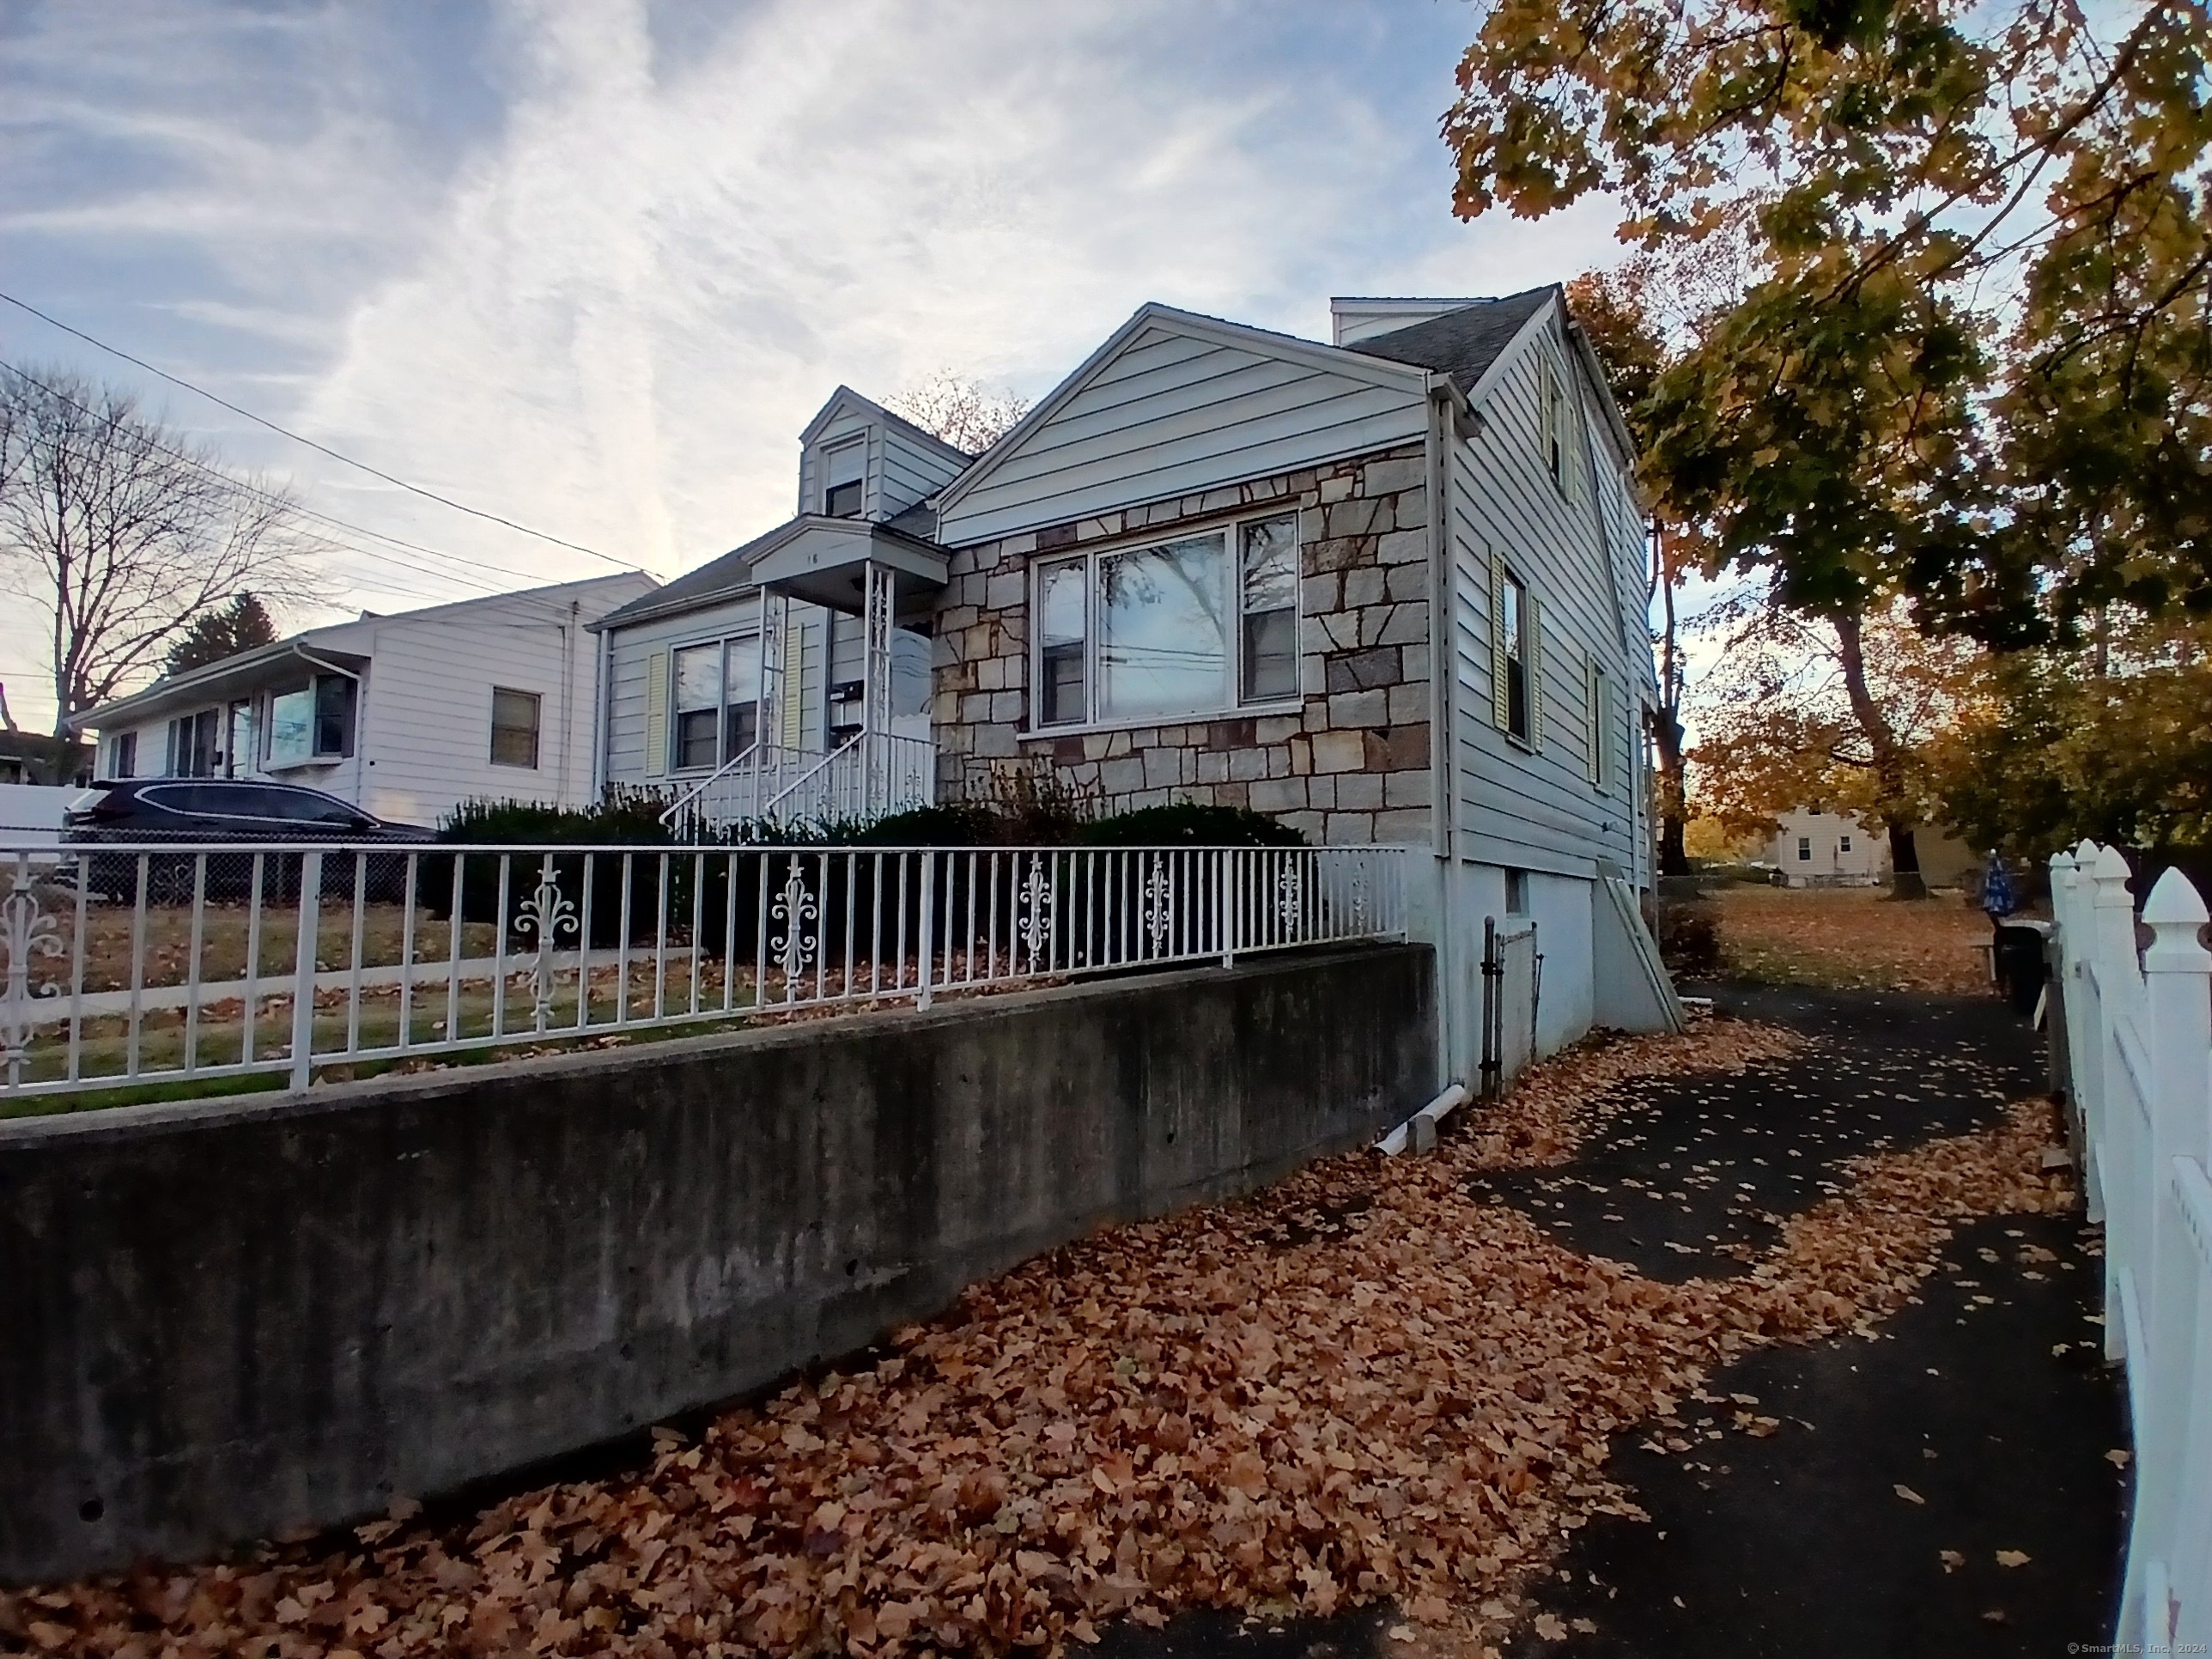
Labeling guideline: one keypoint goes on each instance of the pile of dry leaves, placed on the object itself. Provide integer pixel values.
(1364, 1382)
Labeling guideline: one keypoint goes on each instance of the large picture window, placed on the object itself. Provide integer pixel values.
(1202, 624)
(313, 724)
(716, 716)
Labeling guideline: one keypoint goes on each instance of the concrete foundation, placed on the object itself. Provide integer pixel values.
(223, 1319)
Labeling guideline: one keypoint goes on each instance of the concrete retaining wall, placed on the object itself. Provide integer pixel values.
(223, 1319)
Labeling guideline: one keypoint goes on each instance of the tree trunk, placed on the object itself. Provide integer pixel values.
(1905, 878)
(1667, 742)
(1666, 723)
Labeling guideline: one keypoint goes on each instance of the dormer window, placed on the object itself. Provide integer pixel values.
(844, 470)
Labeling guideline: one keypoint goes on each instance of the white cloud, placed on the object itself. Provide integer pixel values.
(608, 305)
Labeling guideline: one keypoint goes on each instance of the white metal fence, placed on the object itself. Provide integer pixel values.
(125, 965)
(2138, 1035)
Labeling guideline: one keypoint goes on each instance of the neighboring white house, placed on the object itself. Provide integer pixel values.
(1812, 849)
(1388, 589)
(1828, 849)
(405, 715)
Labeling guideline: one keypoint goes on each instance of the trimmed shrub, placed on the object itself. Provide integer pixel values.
(1186, 823)
(1689, 939)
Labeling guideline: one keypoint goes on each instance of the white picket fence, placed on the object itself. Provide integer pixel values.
(2138, 1034)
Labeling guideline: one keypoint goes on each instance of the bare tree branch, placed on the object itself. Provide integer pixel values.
(122, 532)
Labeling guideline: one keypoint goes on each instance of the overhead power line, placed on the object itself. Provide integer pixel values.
(287, 505)
(298, 438)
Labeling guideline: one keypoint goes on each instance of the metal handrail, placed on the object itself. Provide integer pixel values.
(848, 746)
(743, 757)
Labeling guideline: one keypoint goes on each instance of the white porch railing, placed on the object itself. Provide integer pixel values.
(125, 965)
(2138, 1033)
(868, 776)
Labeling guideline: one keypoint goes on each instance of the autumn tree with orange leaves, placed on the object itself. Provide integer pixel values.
(1969, 369)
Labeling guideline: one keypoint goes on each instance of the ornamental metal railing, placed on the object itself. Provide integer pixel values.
(2135, 1021)
(129, 965)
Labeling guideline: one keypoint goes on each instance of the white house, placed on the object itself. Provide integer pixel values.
(1387, 589)
(1814, 848)
(405, 715)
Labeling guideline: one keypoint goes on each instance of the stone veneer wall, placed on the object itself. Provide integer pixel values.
(1348, 767)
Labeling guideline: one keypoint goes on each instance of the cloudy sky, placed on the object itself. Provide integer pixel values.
(590, 265)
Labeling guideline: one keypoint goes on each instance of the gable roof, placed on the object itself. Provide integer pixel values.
(1153, 315)
(845, 397)
(1462, 344)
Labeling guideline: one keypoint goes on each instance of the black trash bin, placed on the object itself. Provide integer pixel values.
(2021, 965)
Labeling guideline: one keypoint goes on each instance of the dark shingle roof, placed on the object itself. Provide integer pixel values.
(1462, 344)
(727, 574)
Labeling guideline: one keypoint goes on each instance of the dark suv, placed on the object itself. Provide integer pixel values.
(219, 809)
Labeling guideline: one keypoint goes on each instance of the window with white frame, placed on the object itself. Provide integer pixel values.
(514, 727)
(1560, 430)
(1551, 420)
(123, 755)
(844, 478)
(1600, 726)
(1515, 683)
(1201, 625)
(1804, 849)
(1843, 844)
(1268, 600)
(715, 716)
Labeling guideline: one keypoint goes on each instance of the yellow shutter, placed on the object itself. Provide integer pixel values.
(1501, 706)
(791, 720)
(656, 715)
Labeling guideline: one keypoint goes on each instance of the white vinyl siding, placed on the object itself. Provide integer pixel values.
(1176, 414)
(638, 726)
(1533, 808)
(426, 701)
(911, 471)
(422, 713)
(900, 468)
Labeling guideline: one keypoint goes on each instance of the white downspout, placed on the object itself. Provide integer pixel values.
(1441, 429)
(602, 690)
(567, 631)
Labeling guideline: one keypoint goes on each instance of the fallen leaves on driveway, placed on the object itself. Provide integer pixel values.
(1852, 936)
(1365, 1382)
